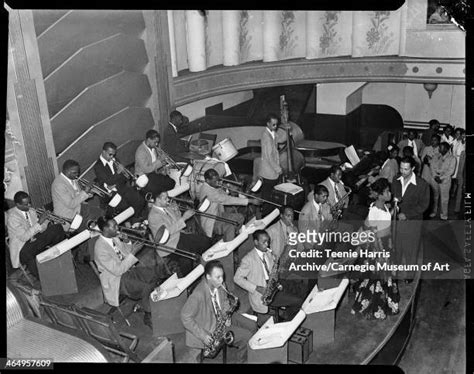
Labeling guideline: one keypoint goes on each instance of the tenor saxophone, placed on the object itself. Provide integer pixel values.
(273, 286)
(220, 336)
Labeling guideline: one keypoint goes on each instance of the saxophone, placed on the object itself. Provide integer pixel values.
(273, 285)
(336, 209)
(219, 336)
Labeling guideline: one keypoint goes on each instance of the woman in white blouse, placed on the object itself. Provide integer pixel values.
(377, 296)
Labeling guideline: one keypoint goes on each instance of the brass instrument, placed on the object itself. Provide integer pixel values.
(219, 336)
(50, 216)
(336, 209)
(224, 180)
(94, 188)
(127, 173)
(167, 158)
(148, 243)
(273, 286)
(200, 211)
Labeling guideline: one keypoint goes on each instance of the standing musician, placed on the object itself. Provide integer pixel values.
(163, 212)
(69, 199)
(115, 261)
(112, 178)
(253, 275)
(411, 141)
(172, 144)
(390, 167)
(29, 235)
(270, 169)
(413, 194)
(280, 231)
(200, 314)
(218, 199)
(429, 152)
(148, 161)
(335, 187)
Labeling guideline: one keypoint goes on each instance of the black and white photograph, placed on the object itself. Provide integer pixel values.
(218, 186)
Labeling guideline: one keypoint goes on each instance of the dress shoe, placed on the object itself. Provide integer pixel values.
(147, 320)
(432, 215)
(444, 218)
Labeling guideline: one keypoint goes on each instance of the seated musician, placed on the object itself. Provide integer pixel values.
(172, 144)
(111, 177)
(389, 169)
(115, 260)
(200, 315)
(149, 161)
(335, 187)
(316, 213)
(163, 212)
(28, 234)
(280, 231)
(69, 199)
(218, 199)
(253, 275)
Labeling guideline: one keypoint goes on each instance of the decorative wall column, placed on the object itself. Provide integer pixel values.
(174, 67)
(271, 35)
(196, 40)
(231, 32)
(28, 110)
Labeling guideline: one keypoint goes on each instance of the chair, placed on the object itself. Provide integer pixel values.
(211, 137)
(101, 327)
(61, 315)
(122, 298)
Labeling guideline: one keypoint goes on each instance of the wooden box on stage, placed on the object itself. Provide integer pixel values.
(57, 276)
(166, 315)
(268, 356)
(300, 345)
(296, 201)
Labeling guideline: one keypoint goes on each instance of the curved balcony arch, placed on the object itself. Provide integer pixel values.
(190, 87)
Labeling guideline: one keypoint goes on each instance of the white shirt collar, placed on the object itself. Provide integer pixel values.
(69, 180)
(174, 127)
(272, 133)
(110, 241)
(105, 162)
(260, 253)
(412, 180)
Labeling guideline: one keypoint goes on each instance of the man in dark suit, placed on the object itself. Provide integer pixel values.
(111, 177)
(172, 144)
(413, 194)
(199, 314)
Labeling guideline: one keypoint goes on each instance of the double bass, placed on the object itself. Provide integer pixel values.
(291, 160)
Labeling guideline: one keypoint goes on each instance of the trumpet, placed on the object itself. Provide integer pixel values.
(167, 158)
(200, 211)
(138, 239)
(74, 222)
(140, 181)
(114, 197)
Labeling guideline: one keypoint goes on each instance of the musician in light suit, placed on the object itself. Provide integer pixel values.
(115, 261)
(165, 213)
(218, 199)
(316, 213)
(150, 162)
(270, 169)
(201, 310)
(29, 235)
(253, 274)
(280, 231)
(335, 187)
(413, 142)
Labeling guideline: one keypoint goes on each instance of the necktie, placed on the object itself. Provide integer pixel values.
(27, 216)
(336, 191)
(217, 308)
(320, 214)
(265, 265)
(117, 251)
(111, 166)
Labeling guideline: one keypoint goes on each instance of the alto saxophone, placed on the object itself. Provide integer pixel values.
(219, 336)
(273, 286)
(336, 209)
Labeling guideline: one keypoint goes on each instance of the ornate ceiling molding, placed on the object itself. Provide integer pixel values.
(190, 87)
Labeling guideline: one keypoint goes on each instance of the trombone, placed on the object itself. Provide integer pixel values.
(223, 180)
(200, 211)
(149, 243)
(74, 222)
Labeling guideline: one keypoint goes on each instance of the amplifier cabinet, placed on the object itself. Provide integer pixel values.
(300, 345)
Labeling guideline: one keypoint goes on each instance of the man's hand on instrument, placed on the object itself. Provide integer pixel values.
(402, 217)
(260, 290)
(255, 202)
(371, 179)
(43, 218)
(120, 168)
(136, 247)
(438, 179)
(228, 322)
(87, 189)
(207, 339)
(188, 214)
